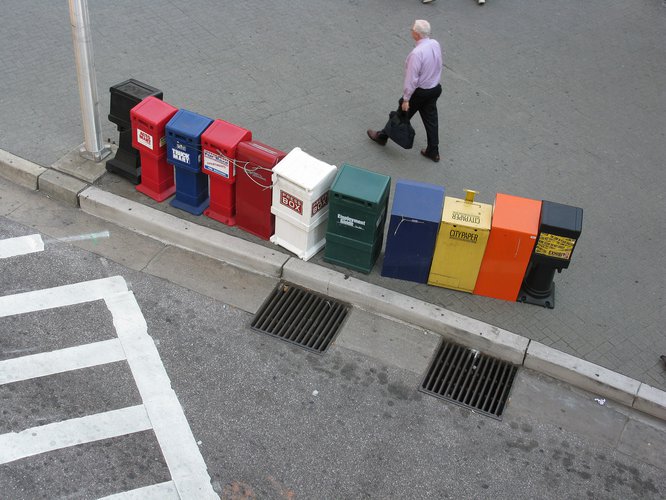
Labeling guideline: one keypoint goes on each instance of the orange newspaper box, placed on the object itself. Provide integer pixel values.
(513, 233)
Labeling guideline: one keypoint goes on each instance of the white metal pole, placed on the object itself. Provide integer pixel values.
(93, 147)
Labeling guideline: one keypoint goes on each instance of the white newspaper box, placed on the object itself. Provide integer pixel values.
(300, 202)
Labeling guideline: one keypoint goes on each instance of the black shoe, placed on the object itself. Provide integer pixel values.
(434, 158)
(377, 137)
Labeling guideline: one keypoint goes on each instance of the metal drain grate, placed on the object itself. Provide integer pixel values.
(468, 378)
(300, 316)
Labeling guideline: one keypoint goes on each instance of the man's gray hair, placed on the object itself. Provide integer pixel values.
(422, 27)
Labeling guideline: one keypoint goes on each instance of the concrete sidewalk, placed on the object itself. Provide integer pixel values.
(556, 101)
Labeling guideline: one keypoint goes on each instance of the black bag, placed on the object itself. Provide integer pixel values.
(399, 129)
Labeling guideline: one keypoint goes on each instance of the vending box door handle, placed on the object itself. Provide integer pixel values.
(144, 123)
(362, 203)
(182, 138)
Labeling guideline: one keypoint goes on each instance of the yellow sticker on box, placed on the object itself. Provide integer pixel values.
(552, 245)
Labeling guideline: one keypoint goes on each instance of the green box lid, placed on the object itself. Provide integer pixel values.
(361, 184)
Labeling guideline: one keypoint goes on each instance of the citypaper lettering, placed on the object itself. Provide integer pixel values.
(463, 236)
(474, 219)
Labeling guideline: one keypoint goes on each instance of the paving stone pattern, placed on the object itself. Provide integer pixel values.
(561, 101)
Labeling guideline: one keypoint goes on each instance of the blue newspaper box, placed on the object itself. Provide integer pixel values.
(183, 137)
(412, 234)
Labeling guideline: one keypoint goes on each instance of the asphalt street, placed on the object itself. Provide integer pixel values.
(268, 419)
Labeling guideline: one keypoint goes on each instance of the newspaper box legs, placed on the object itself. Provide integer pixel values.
(157, 180)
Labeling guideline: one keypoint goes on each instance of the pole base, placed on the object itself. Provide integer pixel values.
(95, 156)
(544, 300)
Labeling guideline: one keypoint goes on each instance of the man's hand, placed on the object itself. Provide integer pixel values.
(405, 106)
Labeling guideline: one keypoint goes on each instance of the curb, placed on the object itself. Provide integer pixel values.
(61, 186)
(20, 171)
(372, 298)
(583, 374)
(181, 233)
(461, 329)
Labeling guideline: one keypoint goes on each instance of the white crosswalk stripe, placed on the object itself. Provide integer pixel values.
(12, 247)
(61, 296)
(161, 491)
(161, 411)
(62, 360)
(17, 445)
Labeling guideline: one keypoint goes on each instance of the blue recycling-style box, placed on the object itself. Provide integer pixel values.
(183, 138)
(412, 233)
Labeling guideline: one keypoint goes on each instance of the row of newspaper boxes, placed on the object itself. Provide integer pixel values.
(509, 250)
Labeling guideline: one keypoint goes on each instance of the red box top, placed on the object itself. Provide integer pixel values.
(259, 154)
(152, 112)
(518, 214)
(225, 137)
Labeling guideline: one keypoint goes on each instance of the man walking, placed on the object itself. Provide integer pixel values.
(421, 89)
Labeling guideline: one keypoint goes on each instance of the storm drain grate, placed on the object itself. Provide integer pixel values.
(300, 316)
(468, 378)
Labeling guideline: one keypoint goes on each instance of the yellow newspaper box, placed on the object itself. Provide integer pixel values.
(461, 242)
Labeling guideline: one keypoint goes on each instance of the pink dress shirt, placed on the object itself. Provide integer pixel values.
(423, 67)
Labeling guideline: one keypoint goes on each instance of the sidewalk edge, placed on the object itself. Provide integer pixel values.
(20, 171)
(181, 233)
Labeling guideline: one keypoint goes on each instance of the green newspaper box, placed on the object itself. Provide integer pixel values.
(358, 202)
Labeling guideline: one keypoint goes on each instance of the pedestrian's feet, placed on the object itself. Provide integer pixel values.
(377, 137)
(434, 158)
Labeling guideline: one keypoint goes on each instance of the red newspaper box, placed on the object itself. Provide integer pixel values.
(218, 144)
(254, 190)
(149, 119)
